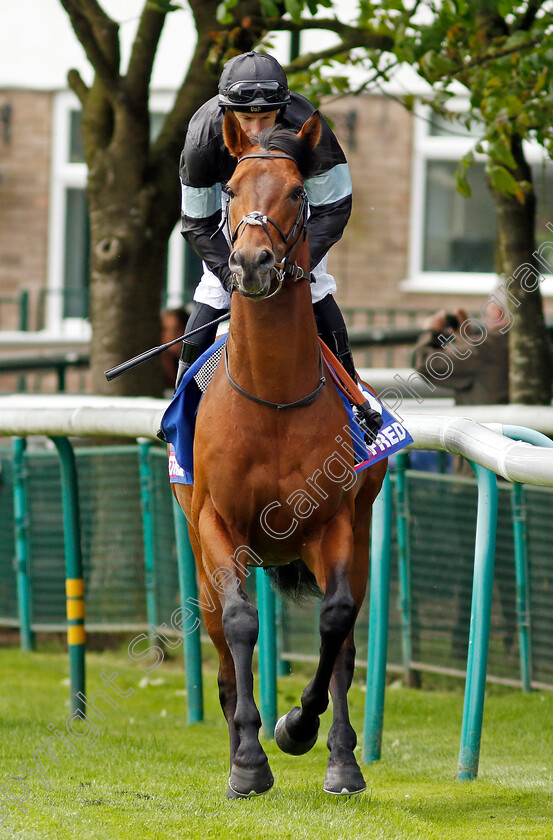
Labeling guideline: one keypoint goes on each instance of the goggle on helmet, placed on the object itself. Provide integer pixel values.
(253, 83)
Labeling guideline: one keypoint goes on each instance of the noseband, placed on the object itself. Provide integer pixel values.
(283, 269)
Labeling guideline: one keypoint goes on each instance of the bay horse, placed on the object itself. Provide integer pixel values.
(269, 421)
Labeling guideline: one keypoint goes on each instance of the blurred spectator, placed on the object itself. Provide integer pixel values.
(173, 322)
(470, 357)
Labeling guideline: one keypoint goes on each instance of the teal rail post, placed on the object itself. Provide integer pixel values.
(379, 599)
(74, 583)
(188, 588)
(404, 564)
(480, 619)
(267, 654)
(519, 513)
(283, 665)
(518, 501)
(22, 553)
(148, 531)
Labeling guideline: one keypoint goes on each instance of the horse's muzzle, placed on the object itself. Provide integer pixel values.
(252, 271)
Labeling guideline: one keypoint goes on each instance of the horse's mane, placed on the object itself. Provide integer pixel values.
(280, 139)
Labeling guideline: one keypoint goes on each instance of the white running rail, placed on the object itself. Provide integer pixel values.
(136, 417)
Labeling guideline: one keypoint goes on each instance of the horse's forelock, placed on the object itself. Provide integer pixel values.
(279, 139)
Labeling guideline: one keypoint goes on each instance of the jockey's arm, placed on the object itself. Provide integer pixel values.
(329, 195)
(325, 227)
(201, 217)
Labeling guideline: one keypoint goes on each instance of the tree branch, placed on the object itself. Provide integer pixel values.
(89, 21)
(144, 50)
(307, 59)
(484, 59)
(379, 73)
(77, 85)
(365, 37)
(195, 87)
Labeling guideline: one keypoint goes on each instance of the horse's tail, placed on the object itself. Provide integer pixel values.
(294, 580)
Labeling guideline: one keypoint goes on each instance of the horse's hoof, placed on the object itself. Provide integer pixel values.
(344, 780)
(249, 781)
(288, 744)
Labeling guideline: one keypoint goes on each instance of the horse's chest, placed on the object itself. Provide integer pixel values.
(278, 501)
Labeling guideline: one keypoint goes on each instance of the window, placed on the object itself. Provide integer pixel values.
(65, 307)
(453, 238)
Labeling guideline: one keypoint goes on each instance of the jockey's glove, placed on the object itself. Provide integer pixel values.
(368, 420)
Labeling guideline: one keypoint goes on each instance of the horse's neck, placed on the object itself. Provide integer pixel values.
(273, 348)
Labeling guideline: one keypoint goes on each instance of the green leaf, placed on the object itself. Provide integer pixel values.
(499, 150)
(502, 180)
(540, 81)
(269, 8)
(293, 7)
(434, 65)
(461, 174)
(505, 7)
(462, 183)
(222, 14)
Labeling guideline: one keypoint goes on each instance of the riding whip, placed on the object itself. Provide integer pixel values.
(155, 351)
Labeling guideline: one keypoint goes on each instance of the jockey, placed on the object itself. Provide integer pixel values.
(254, 86)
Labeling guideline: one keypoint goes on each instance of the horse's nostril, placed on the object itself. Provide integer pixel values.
(265, 258)
(235, 261)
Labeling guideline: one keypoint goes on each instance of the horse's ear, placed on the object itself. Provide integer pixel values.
(236, 139)
(311, 130)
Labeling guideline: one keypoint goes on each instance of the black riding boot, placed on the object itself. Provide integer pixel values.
(333, 331)
(198, 344)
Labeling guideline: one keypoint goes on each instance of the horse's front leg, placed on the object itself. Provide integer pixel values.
(213, 618)
(250, 773)
(331, 561)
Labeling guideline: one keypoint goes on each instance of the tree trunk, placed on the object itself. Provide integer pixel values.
(128, 262)
(530, 366)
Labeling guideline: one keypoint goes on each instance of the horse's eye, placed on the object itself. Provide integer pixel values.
(297, 194)
(228, 191)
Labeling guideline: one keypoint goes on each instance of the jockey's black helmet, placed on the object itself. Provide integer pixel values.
(252, 83)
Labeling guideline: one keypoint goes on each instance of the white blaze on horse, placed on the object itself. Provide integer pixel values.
(268, 421)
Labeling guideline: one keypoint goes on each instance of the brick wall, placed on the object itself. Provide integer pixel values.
(371, 258)
(24, 190)
(370, 261)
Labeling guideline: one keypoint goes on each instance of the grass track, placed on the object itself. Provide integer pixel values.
(146, 775)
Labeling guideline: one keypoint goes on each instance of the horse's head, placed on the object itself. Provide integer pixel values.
(268, 206)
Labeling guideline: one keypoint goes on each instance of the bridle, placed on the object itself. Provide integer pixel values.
(285, 268)
(282, 270)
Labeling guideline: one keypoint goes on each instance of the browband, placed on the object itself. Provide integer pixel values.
(268, 155)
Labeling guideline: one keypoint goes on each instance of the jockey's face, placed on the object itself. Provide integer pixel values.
(252, 124)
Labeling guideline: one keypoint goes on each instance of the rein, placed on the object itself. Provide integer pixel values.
(310, 398)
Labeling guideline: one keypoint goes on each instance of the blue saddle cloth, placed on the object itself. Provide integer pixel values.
(179, 421)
